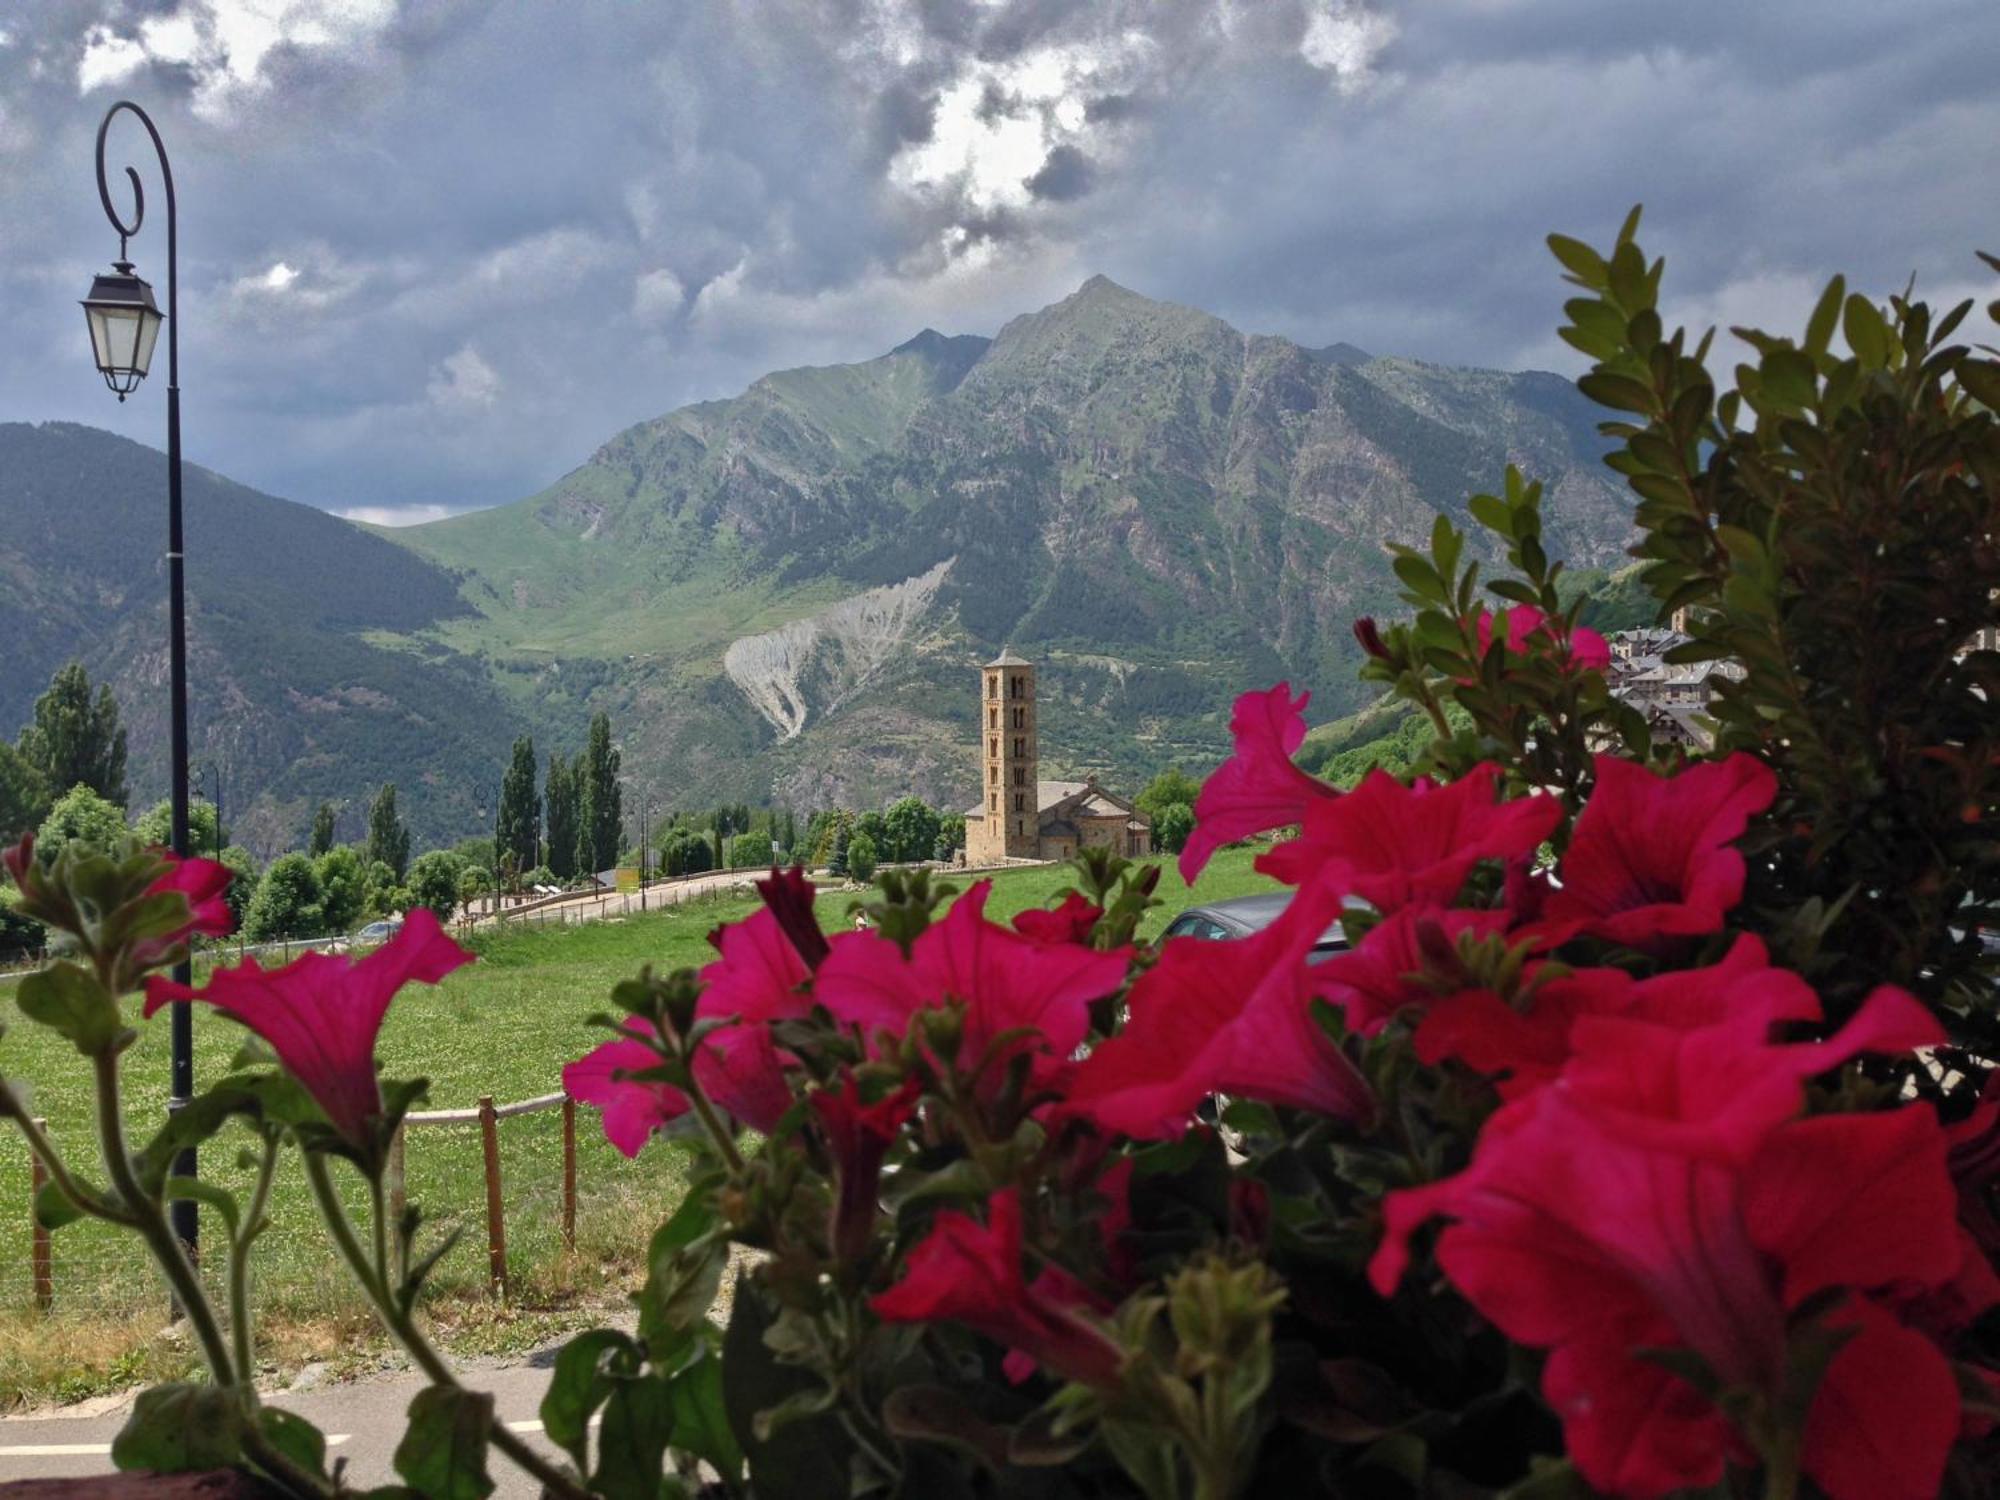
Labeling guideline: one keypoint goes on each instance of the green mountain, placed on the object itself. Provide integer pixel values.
(787, 592)
(783, 595)
(291, 698)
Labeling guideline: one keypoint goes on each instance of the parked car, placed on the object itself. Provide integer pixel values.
(1245, 915)
(379, 932)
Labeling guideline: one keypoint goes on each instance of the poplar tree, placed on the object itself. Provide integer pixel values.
(322, 831)
(559, 814)
(388, 836)
(520, 828)
(599, 809)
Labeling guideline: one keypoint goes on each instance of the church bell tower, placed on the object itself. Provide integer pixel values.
(1008, 783)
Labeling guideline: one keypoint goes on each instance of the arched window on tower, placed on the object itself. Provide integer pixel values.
(1020, 718)
(993, 774)
(992, 718)
(993, 686)
(1020, 776)
(1020, 802)
(1017, 689)
(993, 748)
(1020, 747)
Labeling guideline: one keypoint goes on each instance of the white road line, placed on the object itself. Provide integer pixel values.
(102, 1450)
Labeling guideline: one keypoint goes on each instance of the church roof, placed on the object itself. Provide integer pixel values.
(1007, 658)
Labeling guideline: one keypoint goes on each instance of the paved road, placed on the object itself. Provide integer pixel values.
(363, 1422)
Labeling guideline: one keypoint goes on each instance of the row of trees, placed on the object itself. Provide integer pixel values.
(572, 826)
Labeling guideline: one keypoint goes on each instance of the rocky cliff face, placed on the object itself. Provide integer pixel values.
(815, 665)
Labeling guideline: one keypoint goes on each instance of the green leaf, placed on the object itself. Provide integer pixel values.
(1982, 379)
(198, 1190)
(1867, 332)
(194, 1122)
(680, 1288)
(1789, 380)
(1826, 316)
(443, 1452)
(53, 1208)
(632, 1442)
(581, 1383)
(69, 1001)
(181, 1428)
(295, 1437)
(1619, 392)
(1147, 1457)
(701, 1418)
(1580, 260)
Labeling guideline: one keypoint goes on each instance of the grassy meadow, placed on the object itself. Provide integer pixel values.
(502, 1026)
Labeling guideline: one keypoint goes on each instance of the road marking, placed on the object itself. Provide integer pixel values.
(102, 1450)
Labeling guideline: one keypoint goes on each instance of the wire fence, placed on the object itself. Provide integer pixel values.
(502, 1176)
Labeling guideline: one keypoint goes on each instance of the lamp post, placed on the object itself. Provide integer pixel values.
(124, 326)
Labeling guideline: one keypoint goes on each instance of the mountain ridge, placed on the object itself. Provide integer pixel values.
(782, 594)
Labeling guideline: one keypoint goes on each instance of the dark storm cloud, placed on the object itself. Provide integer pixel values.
(435, 253)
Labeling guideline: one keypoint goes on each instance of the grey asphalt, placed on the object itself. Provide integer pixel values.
(363, 1421)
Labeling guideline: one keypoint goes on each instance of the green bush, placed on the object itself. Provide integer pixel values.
(287, 903)
(861, 858)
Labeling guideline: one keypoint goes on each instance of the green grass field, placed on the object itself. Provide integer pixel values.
(503, 1026)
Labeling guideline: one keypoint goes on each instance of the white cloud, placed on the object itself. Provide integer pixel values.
(1344, 38)
(463, 382)
(224, 43)
(997, 123)
(395, 515)
(657, 296)
(107, 59)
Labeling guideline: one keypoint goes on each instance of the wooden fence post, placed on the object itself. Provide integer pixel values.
(40, 1262)
(496, 1224)
(569, 1173)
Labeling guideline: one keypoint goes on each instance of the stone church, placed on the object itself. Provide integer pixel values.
(1020, 816)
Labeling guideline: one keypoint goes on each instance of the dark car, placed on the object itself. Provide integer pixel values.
(1244, 916)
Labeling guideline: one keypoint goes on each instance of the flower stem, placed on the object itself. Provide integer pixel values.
(44, 1151)
(239, 1261)
(403, 1327)
(153, 1227)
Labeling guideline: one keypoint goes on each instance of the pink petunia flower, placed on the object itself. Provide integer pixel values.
(1071, 922)
(631, 1109)
(205, 885)
(1396, 844)
(321, 1014)
(1652, 855)
(970, 1273)
(1258, 788)
(1008, 983)
(1648, 1200)
(1525, 1046)
(1225, 1017)
(1583, 649)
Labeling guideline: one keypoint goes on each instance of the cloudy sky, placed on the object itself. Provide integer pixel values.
(435, 251)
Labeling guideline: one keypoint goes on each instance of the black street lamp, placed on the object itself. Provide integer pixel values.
(124, 326)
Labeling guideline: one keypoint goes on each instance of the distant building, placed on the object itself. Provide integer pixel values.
(1021, 816)
(1674, 696)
